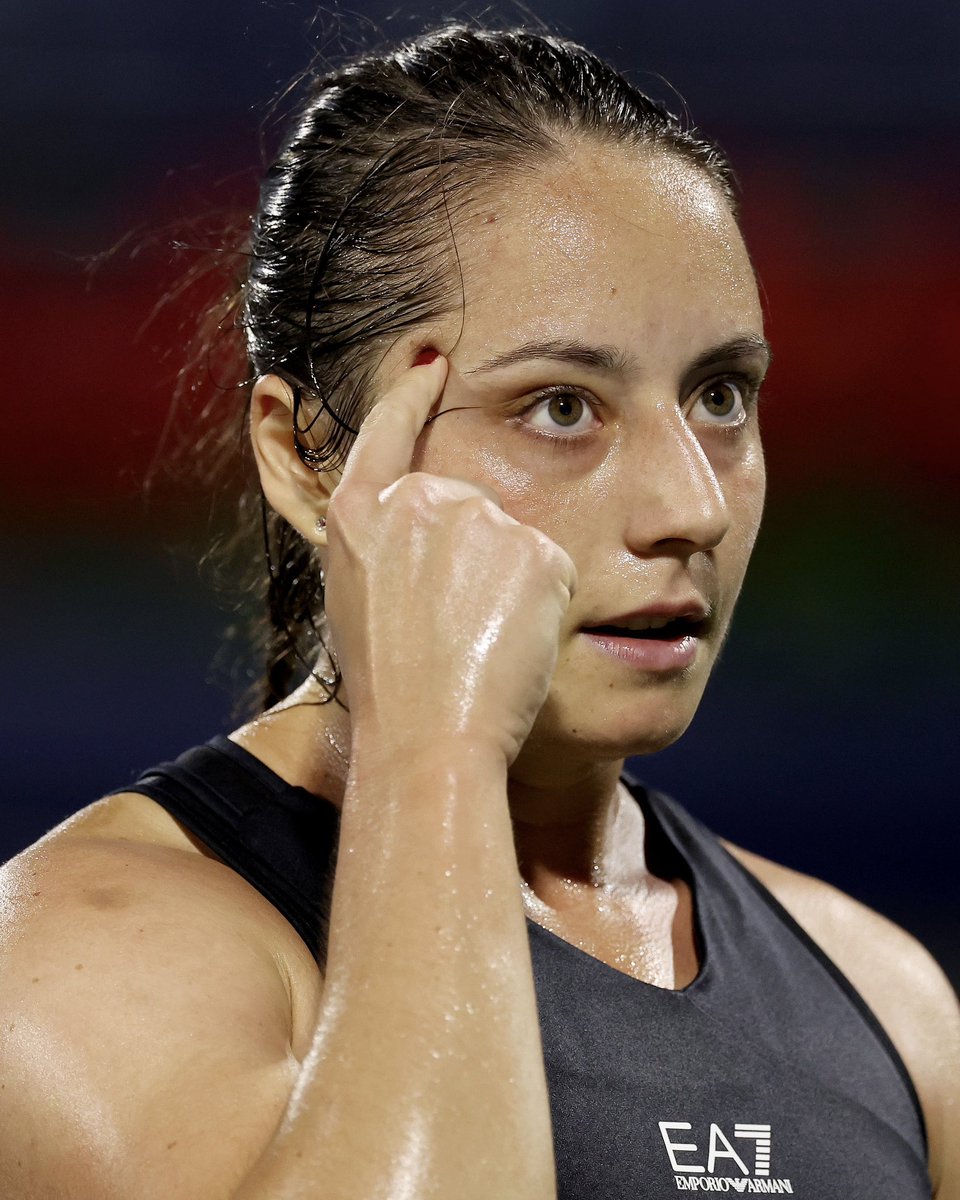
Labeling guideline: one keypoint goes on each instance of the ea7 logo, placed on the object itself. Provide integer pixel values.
(719, 1147)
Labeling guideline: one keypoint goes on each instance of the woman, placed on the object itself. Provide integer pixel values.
(528, 284)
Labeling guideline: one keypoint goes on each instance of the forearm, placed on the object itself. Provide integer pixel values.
(426, 1074)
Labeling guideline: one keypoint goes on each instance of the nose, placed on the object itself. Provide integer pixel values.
(676, 503)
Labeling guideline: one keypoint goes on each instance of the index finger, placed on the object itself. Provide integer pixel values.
(383, 451)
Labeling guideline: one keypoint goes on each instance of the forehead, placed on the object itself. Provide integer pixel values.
(608, 242)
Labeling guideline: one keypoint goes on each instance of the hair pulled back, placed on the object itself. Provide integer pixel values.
(354, 239)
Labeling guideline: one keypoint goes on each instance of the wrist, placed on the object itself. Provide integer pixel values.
(423, 754)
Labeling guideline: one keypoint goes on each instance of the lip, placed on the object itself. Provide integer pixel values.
(660, 655)
(692, 609)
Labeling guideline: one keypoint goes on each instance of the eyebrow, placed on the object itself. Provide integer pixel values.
(604, 358)
(614, 361)
(746, 346)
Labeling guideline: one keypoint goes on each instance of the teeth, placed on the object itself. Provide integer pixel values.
(647, 623)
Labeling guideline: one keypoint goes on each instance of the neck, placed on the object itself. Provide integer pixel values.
(576, 829)
(305, 739)
(580, 838)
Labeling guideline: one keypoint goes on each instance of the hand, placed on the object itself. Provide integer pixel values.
(445, 612)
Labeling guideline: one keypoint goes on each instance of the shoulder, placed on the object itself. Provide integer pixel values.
(902, 984)
(128, 1044)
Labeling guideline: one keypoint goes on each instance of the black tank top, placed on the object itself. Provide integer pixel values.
(767, 1075)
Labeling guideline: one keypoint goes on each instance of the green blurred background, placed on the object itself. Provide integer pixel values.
(828, 738)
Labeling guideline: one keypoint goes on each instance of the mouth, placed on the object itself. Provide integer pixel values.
(658, 629)
(658, 644)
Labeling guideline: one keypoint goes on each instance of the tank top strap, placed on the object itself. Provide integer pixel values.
(281, 839)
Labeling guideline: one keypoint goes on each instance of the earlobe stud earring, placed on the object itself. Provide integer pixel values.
(321, 525)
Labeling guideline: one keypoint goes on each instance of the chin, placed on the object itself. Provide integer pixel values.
(614, 727)
(652, 741)
(635, 736)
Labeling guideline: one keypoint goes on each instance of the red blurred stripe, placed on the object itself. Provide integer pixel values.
(864, 314)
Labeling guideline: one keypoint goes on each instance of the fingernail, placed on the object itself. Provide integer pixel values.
(426, 357)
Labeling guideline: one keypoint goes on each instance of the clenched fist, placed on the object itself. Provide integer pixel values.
(445, 612)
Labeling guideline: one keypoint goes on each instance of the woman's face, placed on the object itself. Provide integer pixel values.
(609, 360)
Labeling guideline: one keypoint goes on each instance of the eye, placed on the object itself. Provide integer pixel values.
(560, 411)
(722, 402)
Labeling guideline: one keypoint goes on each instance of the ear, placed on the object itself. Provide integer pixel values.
(298, 493)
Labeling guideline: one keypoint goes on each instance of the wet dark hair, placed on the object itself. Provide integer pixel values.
(354, 241)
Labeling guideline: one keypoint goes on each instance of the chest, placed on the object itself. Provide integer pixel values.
(649, 936)
(731, 1086)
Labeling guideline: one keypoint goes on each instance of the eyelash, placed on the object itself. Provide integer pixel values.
(747, 385)
(542, 398)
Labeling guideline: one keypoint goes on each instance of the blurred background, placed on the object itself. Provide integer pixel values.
(828, 738)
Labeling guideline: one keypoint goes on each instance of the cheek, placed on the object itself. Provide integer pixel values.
(754, 477)
(440, 451)
(531, 496)
(745, 490)
(565, 509)
(570, 498)
(514, 484)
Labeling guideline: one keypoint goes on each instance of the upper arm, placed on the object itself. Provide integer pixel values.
(916, 1005)
(147, 1043)
(906, 990)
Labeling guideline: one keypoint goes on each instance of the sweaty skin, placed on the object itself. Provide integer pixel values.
(605, 459)
(653, 501)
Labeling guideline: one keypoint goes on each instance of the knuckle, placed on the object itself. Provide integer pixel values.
(476, 503)
(545, 546)
(408, 489)
(489, 495)
(421, 486)
(556, 561)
